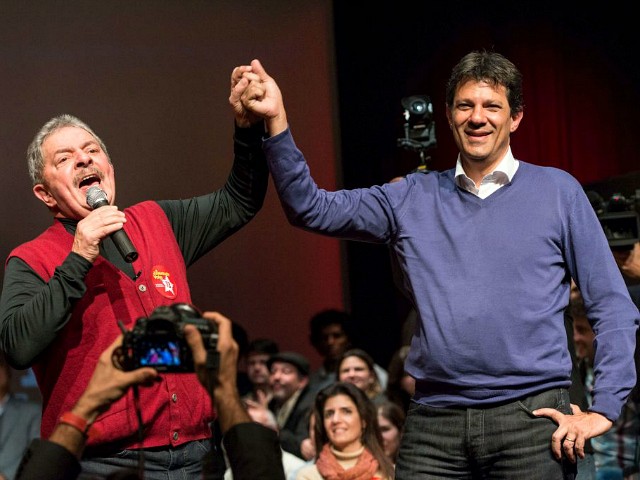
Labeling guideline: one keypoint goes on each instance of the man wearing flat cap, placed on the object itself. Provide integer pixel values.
(292, 399)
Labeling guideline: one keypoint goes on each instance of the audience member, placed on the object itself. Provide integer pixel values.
(258, 353)
(348, 437)
(391, 419)
(65, 291)
(260, 413)
(331, 334)
(308, 444)
(628, 260)
(487, 250)
(615, 451)
(19, 423)
(356, 366)
(217, 462)
(292, 399)
(253, 450)
(264, 416)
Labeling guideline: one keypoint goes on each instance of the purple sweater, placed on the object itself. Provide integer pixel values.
(489, 278)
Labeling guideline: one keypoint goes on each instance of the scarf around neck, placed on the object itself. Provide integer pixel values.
(330, 469)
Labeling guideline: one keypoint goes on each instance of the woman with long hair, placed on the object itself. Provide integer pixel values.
(391, 418)
(347, 437)
(357, 366)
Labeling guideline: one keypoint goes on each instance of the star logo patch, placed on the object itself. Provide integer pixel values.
(162, 281)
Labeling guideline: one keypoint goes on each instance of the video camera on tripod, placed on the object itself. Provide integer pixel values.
(419, 127)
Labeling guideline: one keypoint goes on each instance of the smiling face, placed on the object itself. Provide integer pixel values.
(355, 370)
(482, 121)
(285, 380)
(342, 423)
(73, 162)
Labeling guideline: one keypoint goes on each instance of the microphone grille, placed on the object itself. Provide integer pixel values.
(95, 195)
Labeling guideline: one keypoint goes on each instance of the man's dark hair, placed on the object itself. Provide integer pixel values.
(328, 317)
(263, 345)
(490, 67)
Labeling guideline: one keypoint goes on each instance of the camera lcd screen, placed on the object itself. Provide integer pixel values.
(159, 352)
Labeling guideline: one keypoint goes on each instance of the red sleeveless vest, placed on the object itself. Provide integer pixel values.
(175, 410)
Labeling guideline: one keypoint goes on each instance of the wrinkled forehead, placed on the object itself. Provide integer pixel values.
(473, 85)
(66, 138)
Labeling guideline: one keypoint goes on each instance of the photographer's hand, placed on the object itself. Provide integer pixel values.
(224, 392)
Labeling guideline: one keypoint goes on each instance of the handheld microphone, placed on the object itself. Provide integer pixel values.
(96, 198)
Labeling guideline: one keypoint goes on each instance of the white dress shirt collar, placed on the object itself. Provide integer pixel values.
(491, 182)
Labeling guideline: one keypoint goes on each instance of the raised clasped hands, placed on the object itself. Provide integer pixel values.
(254, 94)
(244, 117)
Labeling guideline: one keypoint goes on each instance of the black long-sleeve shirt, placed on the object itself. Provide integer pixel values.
(32, 311)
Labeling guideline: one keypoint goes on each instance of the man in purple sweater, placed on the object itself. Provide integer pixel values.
(488, 249)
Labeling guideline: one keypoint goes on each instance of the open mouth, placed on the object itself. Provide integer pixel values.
(89, 181)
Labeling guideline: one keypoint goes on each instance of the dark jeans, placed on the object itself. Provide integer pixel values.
(180, 463)
(504, 442)
(586, 468)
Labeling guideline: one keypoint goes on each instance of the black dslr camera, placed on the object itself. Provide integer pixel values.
(158, 341)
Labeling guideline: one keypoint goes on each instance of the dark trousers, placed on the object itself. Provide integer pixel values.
(166, 463)
(504, 442)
